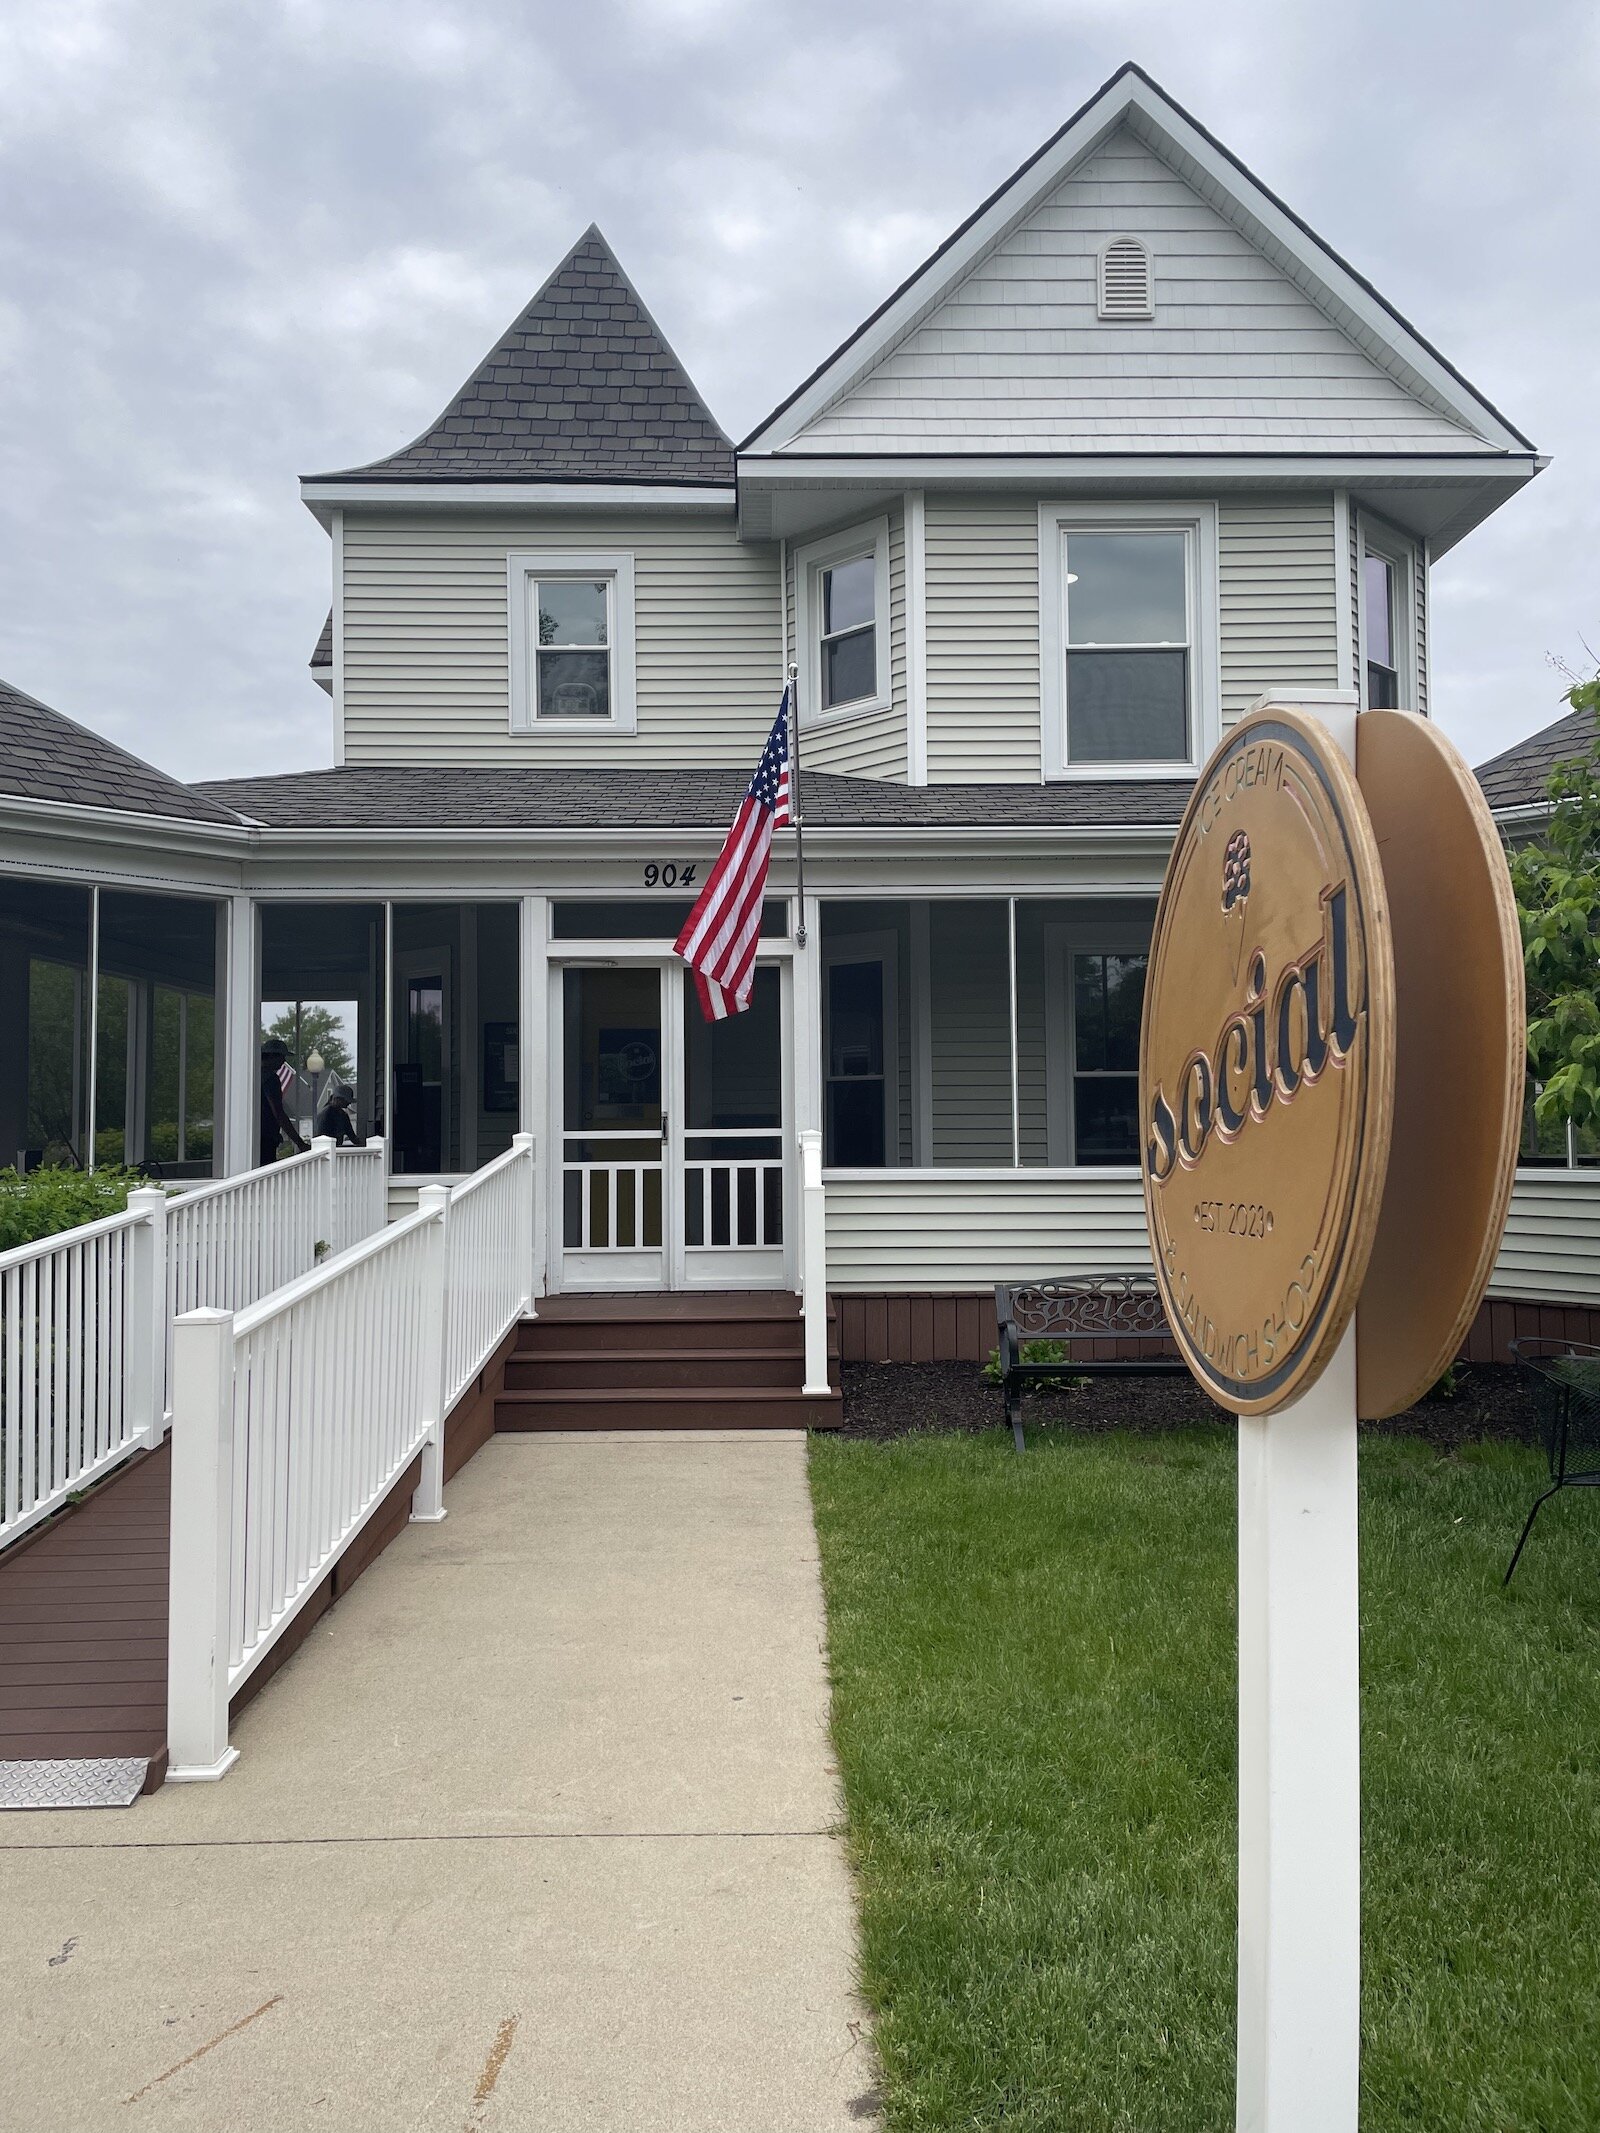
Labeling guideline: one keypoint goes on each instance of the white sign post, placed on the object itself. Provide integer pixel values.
(1299, 2042)
(1300, 1762)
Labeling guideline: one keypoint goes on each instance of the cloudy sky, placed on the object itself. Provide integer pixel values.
(242, 244)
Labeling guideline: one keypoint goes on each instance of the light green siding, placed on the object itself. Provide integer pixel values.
(427, 636)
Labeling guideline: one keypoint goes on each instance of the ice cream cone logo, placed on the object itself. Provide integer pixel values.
(1236, 887)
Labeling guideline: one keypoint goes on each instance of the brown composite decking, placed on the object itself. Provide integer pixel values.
(83, 1626)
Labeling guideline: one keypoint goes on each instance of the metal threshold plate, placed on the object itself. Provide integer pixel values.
(98, 1781)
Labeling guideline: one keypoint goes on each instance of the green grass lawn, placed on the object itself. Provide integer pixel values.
(1033, 1664)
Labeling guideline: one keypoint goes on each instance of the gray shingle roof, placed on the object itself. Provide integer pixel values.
(44, 756)
(441, 796)
(1518, 776)
(322, 656)
(582, 387)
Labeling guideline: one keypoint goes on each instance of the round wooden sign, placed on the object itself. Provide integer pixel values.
(1460, 1057)
(1266, 1068)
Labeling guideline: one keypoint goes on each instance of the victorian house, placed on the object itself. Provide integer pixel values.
(1131, 451)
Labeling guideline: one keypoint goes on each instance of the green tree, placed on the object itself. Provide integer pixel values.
(320, 1030)
(1557, 883)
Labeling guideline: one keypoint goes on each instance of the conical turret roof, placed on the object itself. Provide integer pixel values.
(582, 387)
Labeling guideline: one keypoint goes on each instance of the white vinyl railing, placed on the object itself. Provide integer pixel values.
(86, 1316)
(293, 1420)
(814, 1261)
(82, 1347)
(490, 1245)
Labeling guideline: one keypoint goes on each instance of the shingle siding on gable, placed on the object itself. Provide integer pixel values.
(426, 639)
(1236, 357)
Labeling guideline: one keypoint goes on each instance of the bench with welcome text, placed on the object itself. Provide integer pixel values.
(1089, 1314)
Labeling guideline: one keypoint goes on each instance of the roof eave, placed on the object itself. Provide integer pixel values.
(323, 494)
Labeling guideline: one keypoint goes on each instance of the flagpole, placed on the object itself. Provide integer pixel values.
(794, 802)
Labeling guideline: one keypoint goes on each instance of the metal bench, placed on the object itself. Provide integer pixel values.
(1101, 1310)
(1564, 1379)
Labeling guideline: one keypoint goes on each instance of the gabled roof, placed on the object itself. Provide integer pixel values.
(44, 756)
(1518, 776)
(581, 387)
(1132, 99)
(418, 796)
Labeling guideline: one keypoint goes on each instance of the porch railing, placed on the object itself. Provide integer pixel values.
(86, 1316)
(82, 1349)
(293, 1420)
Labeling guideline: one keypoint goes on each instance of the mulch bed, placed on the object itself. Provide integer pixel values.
(885, 1400)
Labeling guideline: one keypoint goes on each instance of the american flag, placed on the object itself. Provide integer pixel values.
(286, 1076)
(718, 941)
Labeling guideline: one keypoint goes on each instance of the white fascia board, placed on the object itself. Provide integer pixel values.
(1158, 122)
(800, 470)
(324, 497)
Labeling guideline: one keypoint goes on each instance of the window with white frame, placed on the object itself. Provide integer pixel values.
(843, 603)
(1387, 679)
(571, 647)
(1127, 615)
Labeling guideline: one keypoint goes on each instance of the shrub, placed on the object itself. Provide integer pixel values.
(1038, 1352)
(46, 1201)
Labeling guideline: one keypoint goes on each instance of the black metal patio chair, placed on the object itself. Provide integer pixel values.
(1564, 1380)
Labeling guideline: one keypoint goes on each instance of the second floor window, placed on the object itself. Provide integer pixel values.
(1127, 610)
(573, 654)
(571, 642)
(849, 632)
(1130, 681)
(1379, 622)
(842, 615)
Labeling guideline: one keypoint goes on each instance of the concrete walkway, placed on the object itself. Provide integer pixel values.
(534, 1831)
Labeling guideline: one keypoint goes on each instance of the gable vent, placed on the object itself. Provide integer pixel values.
(1125, 290)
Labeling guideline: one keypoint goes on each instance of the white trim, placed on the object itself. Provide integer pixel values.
(1224, 185)
(525, 567)
(997, 1174)
(867, 537)
(1398, 550)
(602, 495)
(1197, 521)
(916, 628)
(336, 678)
(881, 947)
(1344, 626)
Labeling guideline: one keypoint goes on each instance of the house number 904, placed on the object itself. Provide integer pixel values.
(670, 876)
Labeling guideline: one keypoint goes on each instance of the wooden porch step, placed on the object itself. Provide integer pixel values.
(600, 1366)
(594, 1326)
(668, 1407)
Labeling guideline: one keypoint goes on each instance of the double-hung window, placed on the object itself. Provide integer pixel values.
(1128, 599)
(843, 610)
(571, 663)
(1388, 682)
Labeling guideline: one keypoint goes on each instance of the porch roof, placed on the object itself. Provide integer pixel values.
(1517, 777)
(445, 796)
(46, 756)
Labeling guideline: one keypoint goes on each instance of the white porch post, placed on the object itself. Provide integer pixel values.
(533, 1065)
(1299, 2036)
(427, 1503)
(527, 1145)
(147, 1313)
(808, 1124)
(241, 1041)
(200, 1575)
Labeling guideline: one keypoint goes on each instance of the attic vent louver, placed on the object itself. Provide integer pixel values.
(1125, 290)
